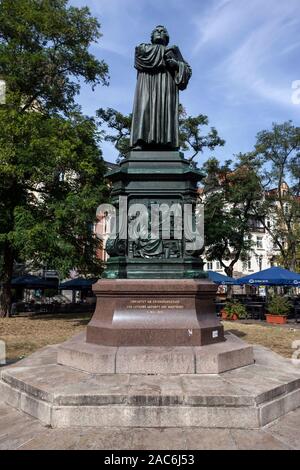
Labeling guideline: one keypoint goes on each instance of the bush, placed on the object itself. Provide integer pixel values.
(235, 308)
(279, 305)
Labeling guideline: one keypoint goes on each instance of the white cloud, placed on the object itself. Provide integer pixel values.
(217, 23)
(244, 55)
(117, 20)
(252, 35)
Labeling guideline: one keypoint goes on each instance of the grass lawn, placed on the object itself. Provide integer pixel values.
(277, 338)
(24, 335)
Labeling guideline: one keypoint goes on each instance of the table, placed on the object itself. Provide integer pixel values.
(256, 309)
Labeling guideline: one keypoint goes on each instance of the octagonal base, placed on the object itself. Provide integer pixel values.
(244, 398)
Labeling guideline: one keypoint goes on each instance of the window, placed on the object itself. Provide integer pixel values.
(247, 265)
(286, 209)
(259, 242)
(218, 266)
(256, 225)
(209, 265)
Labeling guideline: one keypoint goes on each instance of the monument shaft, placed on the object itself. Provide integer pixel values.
(154, 292)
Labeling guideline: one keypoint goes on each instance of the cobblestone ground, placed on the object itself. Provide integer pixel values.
(20, 431)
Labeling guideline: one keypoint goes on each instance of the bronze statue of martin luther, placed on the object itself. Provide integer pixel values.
(162, 72)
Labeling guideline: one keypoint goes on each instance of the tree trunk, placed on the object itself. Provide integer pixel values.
(5, 296)
(229, 272)
(293, 257)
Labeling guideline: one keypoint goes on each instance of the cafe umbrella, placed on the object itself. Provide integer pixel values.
(275, 276)
(220, 279)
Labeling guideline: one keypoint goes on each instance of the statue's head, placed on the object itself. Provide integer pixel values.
(160, 35)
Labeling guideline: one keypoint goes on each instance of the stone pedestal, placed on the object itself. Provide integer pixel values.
(154, 326)
(155, 312)
(61, 396)
(154, 178)
(216, 358)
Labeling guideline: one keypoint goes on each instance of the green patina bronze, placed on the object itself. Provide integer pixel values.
(161, 177)
(155, 172)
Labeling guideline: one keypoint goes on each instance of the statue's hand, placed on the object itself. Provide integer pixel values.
(173, 52)
(172, 63)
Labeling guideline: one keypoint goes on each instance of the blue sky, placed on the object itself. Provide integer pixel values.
(244, 55)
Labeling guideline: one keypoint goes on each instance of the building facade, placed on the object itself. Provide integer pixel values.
(261, 256)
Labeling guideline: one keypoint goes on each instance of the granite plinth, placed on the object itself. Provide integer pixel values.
(155, 312)
(245, 398)
(212, 359)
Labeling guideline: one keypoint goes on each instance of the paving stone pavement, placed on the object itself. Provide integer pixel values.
(21, 431)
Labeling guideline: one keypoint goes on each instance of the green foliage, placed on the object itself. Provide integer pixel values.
(53, 181)
(44, 52)
(235, 308)
(51, 169)
(119, 123)
(190, 131)
(279, 305)
(191, 136)
(278, 152)
(263, 185)
(231, 192)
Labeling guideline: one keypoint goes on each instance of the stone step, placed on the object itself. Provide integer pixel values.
(243, 398)
(19, 431)
(210, 359)
(64, 397)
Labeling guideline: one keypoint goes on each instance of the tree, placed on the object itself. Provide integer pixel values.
(54, 226)
(119, 123)
(230, 195)
(281, 260)
(51, 171)
(52, 182)
(44, 51)
(191, 137)
(278, 151)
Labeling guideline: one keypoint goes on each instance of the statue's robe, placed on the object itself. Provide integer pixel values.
(155, 109)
